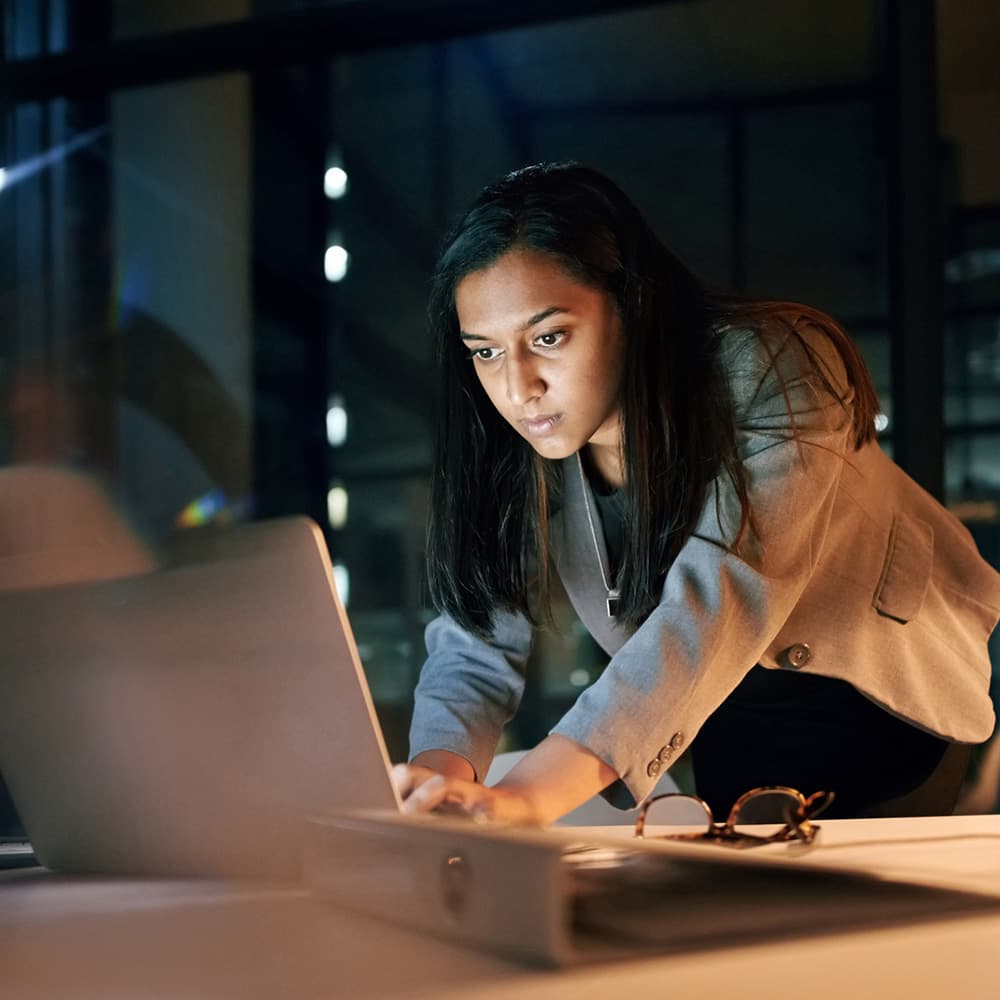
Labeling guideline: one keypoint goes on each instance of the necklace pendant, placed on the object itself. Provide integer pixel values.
(612, 602)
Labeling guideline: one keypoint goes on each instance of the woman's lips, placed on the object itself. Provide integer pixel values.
(540, 426)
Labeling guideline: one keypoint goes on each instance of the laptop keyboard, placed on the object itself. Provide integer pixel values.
(16, 852)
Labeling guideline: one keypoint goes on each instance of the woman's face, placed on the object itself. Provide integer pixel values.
(548, 351)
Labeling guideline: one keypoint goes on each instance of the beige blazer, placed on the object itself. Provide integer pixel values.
(853, 572)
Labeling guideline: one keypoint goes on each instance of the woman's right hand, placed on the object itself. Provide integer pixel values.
(423, 790)
(407, 778)
(424, 768)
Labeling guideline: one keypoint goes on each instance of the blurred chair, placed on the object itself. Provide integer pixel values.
(595, 811)
(982, 794)
(57, 526)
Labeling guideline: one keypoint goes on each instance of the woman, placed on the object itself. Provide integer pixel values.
(702, 473)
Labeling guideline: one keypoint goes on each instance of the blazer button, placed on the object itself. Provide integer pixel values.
(798, 655)
(653, 768)
(677, 741)
(665, 754)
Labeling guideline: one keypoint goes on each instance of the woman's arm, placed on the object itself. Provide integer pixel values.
(469, 689)
(548, 782)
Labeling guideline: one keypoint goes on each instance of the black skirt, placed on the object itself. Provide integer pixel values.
(812, 733)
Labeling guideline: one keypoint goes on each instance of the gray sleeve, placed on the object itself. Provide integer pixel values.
(469, 688)
(721, 606)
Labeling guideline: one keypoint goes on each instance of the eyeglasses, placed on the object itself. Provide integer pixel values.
(764, 815)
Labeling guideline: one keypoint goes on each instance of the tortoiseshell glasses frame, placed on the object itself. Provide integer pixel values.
(789, 808)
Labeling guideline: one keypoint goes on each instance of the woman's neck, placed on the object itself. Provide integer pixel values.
(604, 462)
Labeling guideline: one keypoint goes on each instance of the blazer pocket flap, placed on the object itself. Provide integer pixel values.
(907, 570)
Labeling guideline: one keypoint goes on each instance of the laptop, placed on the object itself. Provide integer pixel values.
(186, 721)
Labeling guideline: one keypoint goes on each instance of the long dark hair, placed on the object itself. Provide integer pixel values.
(491, 493)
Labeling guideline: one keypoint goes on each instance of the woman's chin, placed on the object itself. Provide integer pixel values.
(553, 447)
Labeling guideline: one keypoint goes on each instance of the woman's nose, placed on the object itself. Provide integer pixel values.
(523, 381)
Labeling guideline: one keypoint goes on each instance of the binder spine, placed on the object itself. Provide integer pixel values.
(503, 895)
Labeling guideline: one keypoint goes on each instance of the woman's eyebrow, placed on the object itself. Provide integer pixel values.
(534, 321)
(543, 315)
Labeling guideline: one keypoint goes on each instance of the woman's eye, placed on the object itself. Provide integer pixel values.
(485, 354)
(549, 339)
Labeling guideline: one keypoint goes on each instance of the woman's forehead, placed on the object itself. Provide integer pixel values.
(519, 286)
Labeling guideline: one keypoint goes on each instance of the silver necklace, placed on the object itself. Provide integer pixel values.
(613, 593)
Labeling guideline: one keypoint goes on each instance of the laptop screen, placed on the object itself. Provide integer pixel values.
(188, 720)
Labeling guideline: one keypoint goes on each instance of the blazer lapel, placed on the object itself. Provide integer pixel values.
(576, 560)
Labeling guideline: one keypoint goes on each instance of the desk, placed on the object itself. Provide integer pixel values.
(110, 938)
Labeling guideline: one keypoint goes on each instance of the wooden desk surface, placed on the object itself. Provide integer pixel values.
(65, 936)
